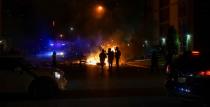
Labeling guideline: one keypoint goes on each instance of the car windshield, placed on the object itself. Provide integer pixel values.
(100, 52)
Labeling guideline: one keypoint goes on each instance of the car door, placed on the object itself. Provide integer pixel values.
(14, 81)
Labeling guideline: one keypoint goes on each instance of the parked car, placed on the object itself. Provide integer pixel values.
(189, 76)
(19, 76)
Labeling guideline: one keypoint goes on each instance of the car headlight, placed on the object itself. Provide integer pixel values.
(57, 75)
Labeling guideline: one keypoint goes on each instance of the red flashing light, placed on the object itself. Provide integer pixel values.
(204, 73)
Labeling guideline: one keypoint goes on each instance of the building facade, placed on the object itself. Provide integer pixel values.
(176, 13)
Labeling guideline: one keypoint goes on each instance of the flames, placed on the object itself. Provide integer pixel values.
(93, 57)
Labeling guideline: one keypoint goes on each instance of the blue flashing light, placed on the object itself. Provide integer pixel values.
(49, 54)
(63, 44)
(51, 44)
(60, 53)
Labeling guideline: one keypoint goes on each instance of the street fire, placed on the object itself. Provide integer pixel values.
(93, 58)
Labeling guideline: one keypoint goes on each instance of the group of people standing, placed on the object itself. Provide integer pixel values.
(111, 55)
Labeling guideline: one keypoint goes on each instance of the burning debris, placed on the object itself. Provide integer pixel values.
(93, 57)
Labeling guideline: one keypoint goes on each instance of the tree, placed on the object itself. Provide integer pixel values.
(172, 44)
(172, 41)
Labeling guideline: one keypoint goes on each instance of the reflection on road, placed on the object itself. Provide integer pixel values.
(94, 78)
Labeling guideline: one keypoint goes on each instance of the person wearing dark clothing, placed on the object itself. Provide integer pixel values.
(54, 59)
(117, 56)
(154, 62)
(102, 57)
(110, 57)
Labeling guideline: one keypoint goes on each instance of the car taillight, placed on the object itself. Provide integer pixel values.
(204, 73)
(195, 53)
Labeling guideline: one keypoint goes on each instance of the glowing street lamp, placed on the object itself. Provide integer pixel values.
(61, 35)
(188, 41)
(99, 11)
(146, 42)
(71, 28)
(163, 41)
(188, 37)
(100, 8)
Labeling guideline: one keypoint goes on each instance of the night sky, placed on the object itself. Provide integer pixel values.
(34, 17)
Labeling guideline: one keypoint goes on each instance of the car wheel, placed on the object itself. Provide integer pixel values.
(43, 87)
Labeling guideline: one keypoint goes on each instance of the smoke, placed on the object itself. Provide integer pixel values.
(119, 38)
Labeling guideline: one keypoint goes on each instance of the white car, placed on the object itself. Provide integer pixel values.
(18, 76)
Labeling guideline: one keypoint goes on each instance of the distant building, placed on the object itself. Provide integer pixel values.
(201, 25)
(177, 13)
(189, 17)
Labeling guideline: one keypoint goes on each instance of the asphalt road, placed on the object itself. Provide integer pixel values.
(105, 102)
(127, 77)
(93, 86)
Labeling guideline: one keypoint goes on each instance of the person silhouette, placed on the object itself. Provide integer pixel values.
(110, 58)
(154, 62)
(54, 59)
(117, 56)
(102, 57)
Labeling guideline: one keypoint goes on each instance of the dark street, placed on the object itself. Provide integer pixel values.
(90, 86)
(104, 53)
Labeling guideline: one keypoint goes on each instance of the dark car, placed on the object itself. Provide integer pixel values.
(189, 75)
(14, 63)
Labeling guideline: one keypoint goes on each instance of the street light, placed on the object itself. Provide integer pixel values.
(61, 35)
(188, 41)
(71, 28)
(99, 11)
(188, 37)
(163, 41)
(146, 42)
